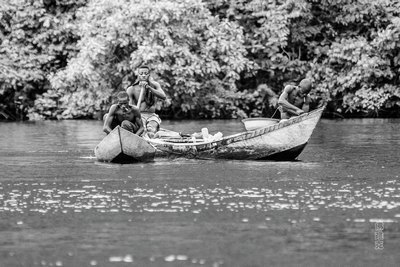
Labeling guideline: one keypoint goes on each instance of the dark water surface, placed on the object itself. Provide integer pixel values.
(59, 207)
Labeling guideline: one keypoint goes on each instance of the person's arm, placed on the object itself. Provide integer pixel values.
(284, 103)
(138, 121)
(132, 99)
(156, 89)
(108, 121)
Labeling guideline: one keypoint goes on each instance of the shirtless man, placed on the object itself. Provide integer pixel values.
(295, 100)
(123, 114)
(151, 91)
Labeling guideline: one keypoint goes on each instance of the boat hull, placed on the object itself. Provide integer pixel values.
(284, 140)
(281, 141)
(122, 146)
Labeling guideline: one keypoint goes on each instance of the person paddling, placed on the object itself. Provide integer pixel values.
(143, 94)
(295, 100)
(123, 114)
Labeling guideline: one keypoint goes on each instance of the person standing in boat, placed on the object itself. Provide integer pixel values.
(143, 94)
(295, 100)
(124, 115)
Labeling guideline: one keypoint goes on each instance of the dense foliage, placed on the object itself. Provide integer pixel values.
(196, 57)
(37, 38)
(359, 67)
(66, 59)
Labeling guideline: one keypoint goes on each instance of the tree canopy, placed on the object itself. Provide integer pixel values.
(37, 38)
(66, 59)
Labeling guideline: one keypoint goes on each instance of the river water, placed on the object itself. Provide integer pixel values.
(338, 205)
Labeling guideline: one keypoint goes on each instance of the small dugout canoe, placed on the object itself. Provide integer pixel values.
(283, 140)
(122, 146)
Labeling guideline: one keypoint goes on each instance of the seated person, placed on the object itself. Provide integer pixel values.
(146, 90)
(123, 114)
(295, 100)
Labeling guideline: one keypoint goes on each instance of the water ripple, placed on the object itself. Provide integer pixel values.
(80, 197)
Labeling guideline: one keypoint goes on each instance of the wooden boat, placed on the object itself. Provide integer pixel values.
(122, 146)
(284, 140)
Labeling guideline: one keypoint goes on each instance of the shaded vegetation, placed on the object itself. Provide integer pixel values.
(66, 59)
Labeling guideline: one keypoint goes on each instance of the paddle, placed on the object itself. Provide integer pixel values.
(140, 97)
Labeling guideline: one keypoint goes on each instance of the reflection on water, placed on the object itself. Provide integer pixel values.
(59, 197)
(59, 207)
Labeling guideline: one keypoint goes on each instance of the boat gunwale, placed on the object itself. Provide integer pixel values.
(234, 138)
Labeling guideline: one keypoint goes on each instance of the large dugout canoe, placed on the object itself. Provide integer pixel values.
(284, 140)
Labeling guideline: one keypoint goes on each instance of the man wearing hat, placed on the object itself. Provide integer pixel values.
(123, 114)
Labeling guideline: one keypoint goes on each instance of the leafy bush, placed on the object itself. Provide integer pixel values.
(66, 59)
(37, 38)
(198, 56)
